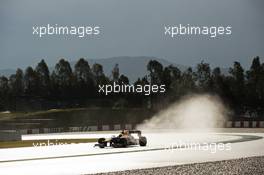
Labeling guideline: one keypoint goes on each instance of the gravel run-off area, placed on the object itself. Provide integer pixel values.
(249, 166)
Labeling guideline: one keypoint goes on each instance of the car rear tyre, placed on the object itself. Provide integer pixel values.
(142, 141)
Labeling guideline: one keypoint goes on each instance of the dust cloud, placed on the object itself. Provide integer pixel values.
(192, 112)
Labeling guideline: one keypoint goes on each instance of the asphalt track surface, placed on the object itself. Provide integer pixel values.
(166, 148)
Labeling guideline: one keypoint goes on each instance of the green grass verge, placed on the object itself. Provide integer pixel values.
(32, 143)
(36, 113)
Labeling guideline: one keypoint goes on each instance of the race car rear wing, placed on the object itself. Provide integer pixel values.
(138, 132)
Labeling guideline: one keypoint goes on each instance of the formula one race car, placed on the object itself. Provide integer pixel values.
(124, 139)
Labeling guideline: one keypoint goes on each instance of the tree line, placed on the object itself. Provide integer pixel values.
(241, 89)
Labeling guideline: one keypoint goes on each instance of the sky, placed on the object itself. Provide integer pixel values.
(131, 28)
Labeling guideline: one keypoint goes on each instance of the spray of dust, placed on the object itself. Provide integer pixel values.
(192, 112)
